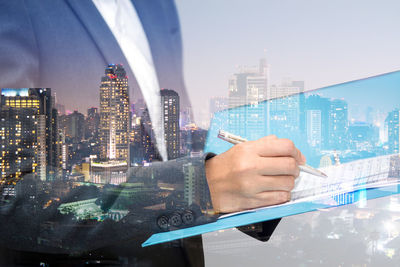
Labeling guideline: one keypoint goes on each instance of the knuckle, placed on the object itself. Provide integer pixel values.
(297, 172)
(242, 150)
(239, 147)
(241, 166)
(291, 165)
(291, 183)
(289, 146)
(282, 196)
(245, 165)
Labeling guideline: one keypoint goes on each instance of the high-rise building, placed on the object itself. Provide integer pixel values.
(284, 112)
(338, 124)
(73, 126)
(249, 87)
(314, 128)
(62, 152)
(317, 121)
(170, 120)
(114, 114)
(147, 138)
(29, 134)
(218, 104)
(18, 144)
(392, 123)
(92, 123)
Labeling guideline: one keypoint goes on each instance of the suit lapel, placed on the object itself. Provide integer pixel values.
(161, 25)
(103, 38)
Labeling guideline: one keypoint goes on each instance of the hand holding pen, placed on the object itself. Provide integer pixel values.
(253, 174)
(235, 139)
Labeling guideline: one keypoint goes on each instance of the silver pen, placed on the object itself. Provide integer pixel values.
(235, 139)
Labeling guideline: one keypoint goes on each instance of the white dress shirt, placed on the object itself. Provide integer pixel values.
(123, 21)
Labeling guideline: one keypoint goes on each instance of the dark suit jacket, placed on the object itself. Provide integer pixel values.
(65, 45)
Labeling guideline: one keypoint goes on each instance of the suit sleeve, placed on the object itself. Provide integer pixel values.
(72, 217)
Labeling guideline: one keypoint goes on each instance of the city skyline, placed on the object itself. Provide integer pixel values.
(335, 121)
(320, 42)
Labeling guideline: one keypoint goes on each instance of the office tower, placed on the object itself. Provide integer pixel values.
(18, 146)
(392, 124)
(136, 146)
(250, 84)
(29, 126)
(114, 114)
(62, 152)
(284, 112)
(143, 147)
(338, 124)
(314, 128)
(298, 84)
(92, 123)
(218, 104)
(317, 121)
(286, 89)
(170, 120)
(249, 87)
(73, 126)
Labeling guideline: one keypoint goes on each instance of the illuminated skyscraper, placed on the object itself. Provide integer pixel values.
(114, 114)
(18, 144)
(28, 133)
(170, 119)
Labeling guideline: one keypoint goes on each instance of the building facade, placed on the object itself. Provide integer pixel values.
(28, 134)
(170, 120)
(114, 114)
(247, 89)
(392, 123)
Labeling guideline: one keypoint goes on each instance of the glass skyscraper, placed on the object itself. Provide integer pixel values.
(114, 114)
